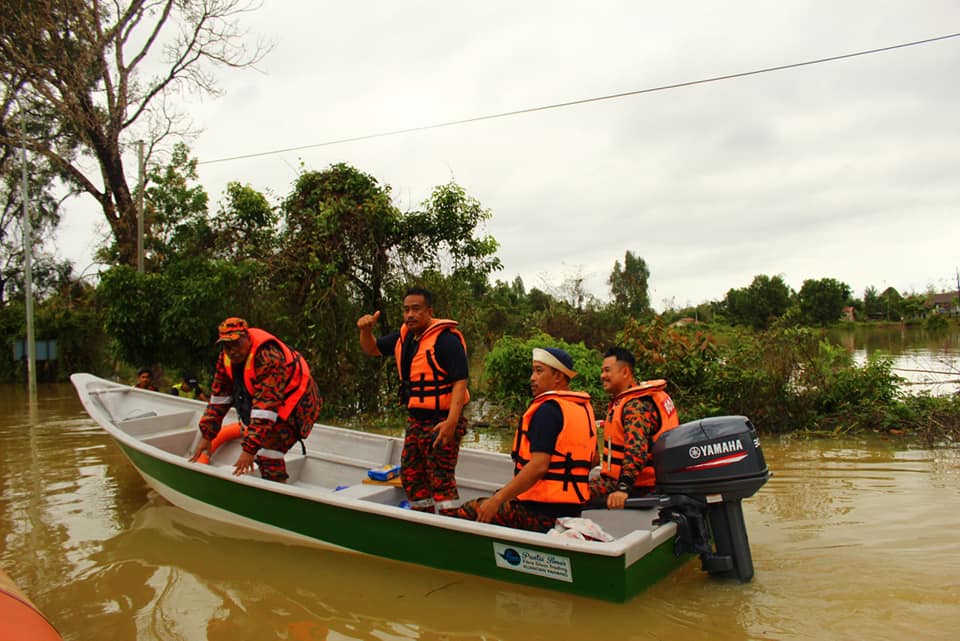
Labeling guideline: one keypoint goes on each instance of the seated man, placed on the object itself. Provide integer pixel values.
(553, 450)
(636, 417)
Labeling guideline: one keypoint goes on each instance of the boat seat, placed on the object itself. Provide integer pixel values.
(176, 440)
(384, 494)
(149, 425)
(294, 463)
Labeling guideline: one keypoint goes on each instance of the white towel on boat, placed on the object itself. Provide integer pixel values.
(576, 527)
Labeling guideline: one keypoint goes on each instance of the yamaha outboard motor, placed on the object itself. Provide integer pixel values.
(707, 468)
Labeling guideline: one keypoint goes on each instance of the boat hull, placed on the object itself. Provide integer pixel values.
(374, 525)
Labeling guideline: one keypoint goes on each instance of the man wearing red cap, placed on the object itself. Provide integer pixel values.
(273, 392)
(553, 451)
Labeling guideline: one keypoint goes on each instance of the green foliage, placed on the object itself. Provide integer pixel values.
(504, 311)
(628, 284)
(936, 323)
(347, 250)
(72, 319)
(821, 301)
(175, 211)
(170, 318)
(891, 304)
(443, 237)
(246, 225)
(44, 205)
(872, 304)
(757, 306)
(935, 419)
(683, 356)
(508, 366)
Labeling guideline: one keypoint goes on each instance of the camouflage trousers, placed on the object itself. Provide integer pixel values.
(511, 514)
(275, 444)
(428, 473)
(284, 434)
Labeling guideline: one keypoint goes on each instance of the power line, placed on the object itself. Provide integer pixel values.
(582, 101)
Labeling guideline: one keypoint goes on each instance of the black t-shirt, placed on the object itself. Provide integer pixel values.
(545, 427)
(448, 350)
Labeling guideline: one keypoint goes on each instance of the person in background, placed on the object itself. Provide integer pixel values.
(189, 387)
(145, 379)
(554, 449)
(273, 392)
(637, 415)
(431, 357)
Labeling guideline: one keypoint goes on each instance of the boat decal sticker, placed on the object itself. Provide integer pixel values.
(552, 566)
(717, 462)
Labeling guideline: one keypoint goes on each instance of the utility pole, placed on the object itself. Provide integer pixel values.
(28, 270)
(140, 207)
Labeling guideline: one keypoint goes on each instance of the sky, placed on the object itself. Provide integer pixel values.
(845, 169)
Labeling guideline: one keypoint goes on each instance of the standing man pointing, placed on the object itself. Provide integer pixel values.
(431, 356)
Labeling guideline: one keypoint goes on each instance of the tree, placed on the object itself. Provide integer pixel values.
(628, 285)
(81, 64)
(175, 216)
(43, 205)
(443, 236)
(245, 227)
(170, 316)
(346, 249)
(765, 300)
(872, 305)
(891, 302)
(821, 301)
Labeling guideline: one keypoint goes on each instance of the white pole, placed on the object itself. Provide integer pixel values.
(28, 272)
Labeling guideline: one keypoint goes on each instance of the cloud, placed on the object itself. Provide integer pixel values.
(843, 169)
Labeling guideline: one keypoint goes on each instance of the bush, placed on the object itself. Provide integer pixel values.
(506, 378)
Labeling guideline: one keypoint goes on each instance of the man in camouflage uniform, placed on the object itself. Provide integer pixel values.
(271, 387)
(432, 365)
(639, 419)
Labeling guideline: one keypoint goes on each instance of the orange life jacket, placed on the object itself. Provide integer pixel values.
(613, 437)
(428, 387)
(298, 376)
(566, 480)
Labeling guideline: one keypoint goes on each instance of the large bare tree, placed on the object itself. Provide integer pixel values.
(105, 72)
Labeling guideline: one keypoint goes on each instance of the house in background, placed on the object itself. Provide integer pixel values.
(946, 303)
(847, 314)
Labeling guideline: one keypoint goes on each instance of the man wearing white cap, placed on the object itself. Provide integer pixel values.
(553, 450)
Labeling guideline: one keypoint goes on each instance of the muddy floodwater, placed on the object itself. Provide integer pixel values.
(851, 539)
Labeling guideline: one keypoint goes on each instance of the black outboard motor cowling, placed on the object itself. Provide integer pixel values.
(707, 467)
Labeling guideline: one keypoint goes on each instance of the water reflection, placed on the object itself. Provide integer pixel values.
(193, 575)
(928, 360)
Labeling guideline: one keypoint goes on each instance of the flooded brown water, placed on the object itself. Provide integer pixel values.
(852, 539)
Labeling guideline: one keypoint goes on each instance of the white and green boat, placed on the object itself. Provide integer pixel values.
(330, 500)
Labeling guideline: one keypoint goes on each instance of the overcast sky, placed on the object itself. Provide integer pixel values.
(845, 169)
